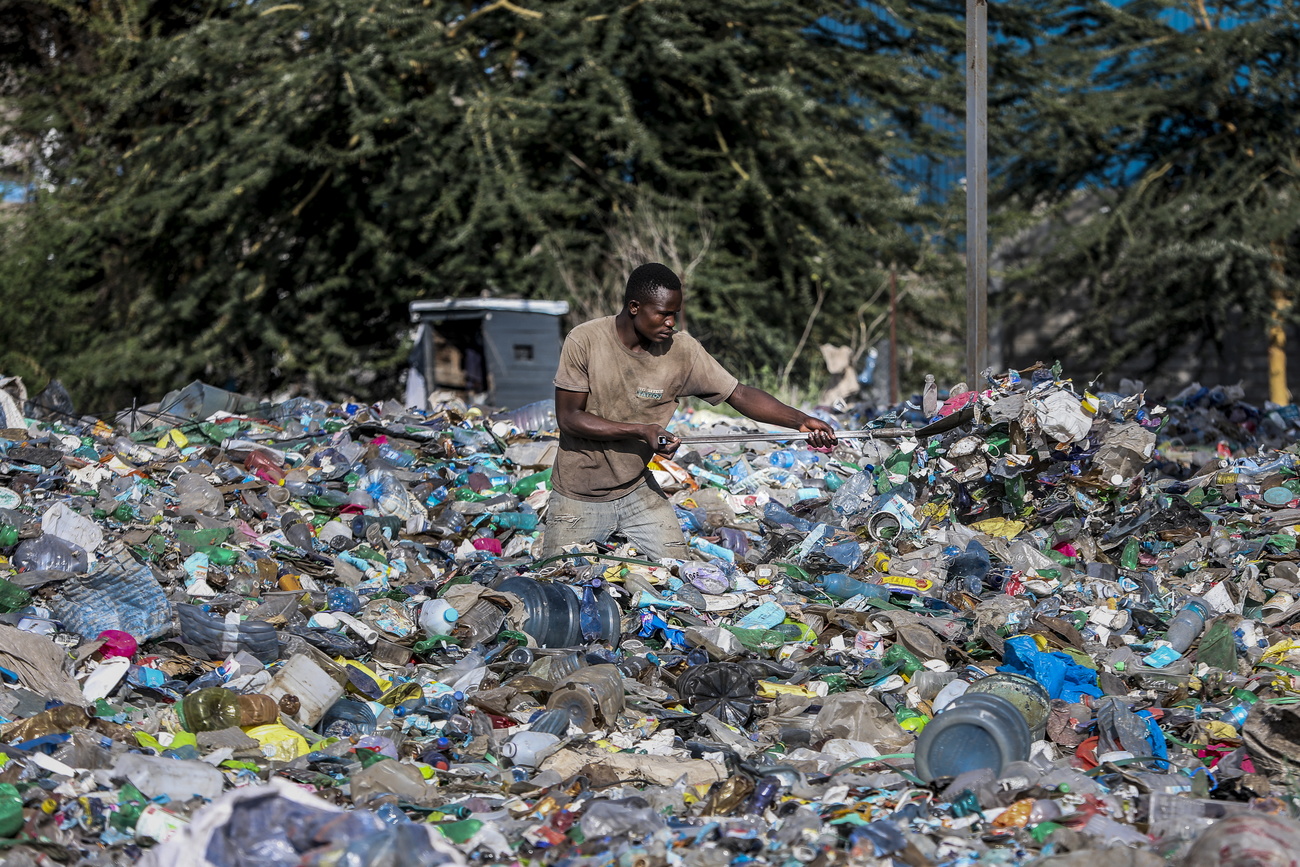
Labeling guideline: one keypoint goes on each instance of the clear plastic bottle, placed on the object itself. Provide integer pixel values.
(396, 457)
(199, 497)
(1188, 624)
(537, 416)
(264, 465)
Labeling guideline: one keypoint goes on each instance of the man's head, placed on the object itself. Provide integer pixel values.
(653, 300)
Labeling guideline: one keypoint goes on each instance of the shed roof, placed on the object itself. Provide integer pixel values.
(421, 309)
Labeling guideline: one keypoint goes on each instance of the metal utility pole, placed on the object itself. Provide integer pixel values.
(893, 336)
(977, 191)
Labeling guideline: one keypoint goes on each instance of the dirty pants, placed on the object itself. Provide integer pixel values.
(644, 516)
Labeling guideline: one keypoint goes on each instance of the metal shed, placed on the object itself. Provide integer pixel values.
(503, 350)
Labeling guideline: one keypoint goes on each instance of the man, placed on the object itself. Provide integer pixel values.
(619, 381)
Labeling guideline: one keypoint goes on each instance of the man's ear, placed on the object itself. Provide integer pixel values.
(633, 307)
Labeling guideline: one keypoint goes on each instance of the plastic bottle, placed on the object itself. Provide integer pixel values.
(713, 550)
(264, 465)
(765, 791)
(841, 586)
(783, 458)
(537, 416)
(1028, 696)
(297, 531)
(438, 617)
(854, 495)
(592, 696)
(1128, 558)
(525, 521)
(1188, 624)
(527, 749)
(969, 568)
(219, 637)
(554, 615)
(1236, 717)
(52, 553)
(11, 810)
(733, 539)
(525, 486)
(216, 708)
(317, 495)
(343, 599)
(312, 687)
(394, 456)
(910, 720)
(199, 497)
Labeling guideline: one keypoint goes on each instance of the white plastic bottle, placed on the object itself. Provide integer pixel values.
(437, 617)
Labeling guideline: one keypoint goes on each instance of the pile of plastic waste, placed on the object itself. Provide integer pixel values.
(1056, 626)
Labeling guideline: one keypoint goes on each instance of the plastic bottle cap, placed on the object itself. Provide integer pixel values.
(451, 615)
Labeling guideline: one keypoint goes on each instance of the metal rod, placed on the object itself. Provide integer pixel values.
(884, 433)
(977, 184)
(943, 425)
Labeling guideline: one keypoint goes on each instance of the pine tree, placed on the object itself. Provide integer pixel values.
(1162, 151)
(259, 189)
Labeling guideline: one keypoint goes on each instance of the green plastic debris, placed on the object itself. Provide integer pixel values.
(130, 804)
(13, 597)
(460, 832)
(11, 810)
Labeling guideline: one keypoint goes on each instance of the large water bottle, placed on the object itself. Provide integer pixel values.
(973, 732)
(1188, 624)
(969, 568)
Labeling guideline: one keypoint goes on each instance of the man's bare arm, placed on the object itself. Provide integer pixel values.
(571, 413)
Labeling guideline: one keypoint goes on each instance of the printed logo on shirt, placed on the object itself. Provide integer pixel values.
(649, 393)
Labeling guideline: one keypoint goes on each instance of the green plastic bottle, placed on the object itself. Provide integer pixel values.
(910, 720)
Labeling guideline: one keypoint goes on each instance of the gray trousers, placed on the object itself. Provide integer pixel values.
(644, 516)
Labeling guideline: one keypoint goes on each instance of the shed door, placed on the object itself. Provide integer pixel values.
(523, 352)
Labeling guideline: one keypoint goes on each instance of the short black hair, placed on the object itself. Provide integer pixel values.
(648, 281)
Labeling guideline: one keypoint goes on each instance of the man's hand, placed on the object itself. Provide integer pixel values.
(821, 435)
(661, 441)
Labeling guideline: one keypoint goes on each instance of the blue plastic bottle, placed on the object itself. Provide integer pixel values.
(841, 586)
(969, 568)
(783, 458)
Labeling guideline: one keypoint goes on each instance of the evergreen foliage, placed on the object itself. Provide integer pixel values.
(1165, 158)
(252, 193)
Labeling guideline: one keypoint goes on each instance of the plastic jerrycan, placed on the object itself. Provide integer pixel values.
(438, 617)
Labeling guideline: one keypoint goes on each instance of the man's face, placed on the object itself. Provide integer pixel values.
(655, 319)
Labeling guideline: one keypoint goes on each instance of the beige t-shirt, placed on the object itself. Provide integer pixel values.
(629, 387)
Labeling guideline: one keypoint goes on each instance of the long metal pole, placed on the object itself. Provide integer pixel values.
(977, 188)
(893, 336)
